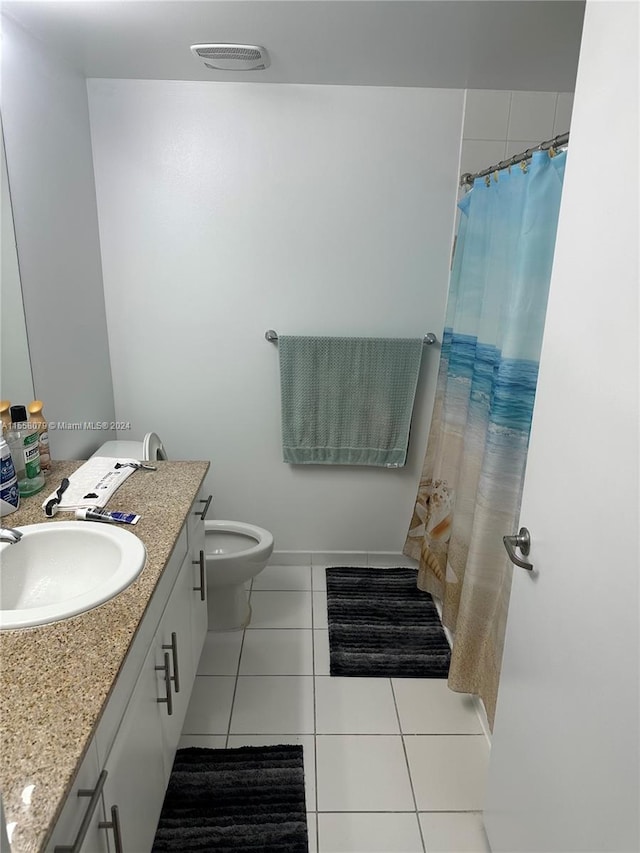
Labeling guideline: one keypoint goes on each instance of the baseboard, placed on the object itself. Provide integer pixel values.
(374, 559)
(482, 716)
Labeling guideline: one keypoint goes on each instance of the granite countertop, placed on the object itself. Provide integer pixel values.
(55, 679)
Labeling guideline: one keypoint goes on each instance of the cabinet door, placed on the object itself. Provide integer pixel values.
(136, 779)
(78, 824)
(174, 639)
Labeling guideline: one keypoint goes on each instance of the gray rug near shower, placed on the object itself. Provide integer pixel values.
(235, 801)
(381, 624)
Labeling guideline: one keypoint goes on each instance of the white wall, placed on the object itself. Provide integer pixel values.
(499, 124)
(48, 145)
(228, 209)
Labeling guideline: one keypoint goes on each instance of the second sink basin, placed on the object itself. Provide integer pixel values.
(59, 569)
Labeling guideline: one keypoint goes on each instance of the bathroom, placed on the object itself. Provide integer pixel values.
(321, 205)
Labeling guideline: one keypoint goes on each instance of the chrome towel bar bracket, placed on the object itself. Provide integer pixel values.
(272, 336)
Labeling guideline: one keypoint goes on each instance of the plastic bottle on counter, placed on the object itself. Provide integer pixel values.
(23, 441)
(9, 491)
(38, 421)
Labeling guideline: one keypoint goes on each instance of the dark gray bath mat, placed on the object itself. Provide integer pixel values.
(235, 800)
(381, 624)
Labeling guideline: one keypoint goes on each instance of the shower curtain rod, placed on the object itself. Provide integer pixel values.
(557, 142)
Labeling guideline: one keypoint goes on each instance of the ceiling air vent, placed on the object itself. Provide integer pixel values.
(232, 57)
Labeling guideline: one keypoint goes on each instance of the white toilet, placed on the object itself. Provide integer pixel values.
(235, 552)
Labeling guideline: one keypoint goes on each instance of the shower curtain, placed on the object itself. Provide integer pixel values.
(471, 484)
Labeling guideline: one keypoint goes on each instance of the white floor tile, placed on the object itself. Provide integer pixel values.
(273, 704)
(210, 706)
(355, 706)
(308, 748)
(320, 610)
(451, 832)
(221, 653)
(361, 773)
(276, 651)
(448, 771)
(280, 609)
(283, 577)
(321, 654)
(312, 831)
(427, 706)
(319, 578)
(203, 741)
(369, 833)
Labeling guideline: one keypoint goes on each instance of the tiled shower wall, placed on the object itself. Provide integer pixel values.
(499, 124)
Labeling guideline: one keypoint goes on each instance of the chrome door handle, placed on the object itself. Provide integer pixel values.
(114, 824)
(205, 509)
(173, 647)
(522, 541)
(166, 669)
(86, 820)
(203, 583)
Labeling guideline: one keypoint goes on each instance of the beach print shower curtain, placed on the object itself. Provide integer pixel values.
(471, 484)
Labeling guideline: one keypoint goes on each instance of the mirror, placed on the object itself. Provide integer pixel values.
(16, 381)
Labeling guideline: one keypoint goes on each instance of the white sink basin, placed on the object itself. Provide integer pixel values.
(59, 569)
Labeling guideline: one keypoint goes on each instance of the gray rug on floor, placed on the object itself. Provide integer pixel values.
(235, 800)
(381, 624)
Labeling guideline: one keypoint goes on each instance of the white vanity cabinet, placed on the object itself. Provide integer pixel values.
(132, 752)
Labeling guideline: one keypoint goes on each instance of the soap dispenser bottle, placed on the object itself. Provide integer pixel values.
(9, 491)
(38, 422)
(23, 441)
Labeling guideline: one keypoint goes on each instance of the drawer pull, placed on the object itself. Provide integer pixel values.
(114, 824)
(86, 820)
(205, 510)
(166, 668)
(174, 651)
(202, 587)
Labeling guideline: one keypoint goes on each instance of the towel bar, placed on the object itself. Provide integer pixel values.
(272, 336)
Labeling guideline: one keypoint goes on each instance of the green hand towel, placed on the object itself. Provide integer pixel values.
(347, 401)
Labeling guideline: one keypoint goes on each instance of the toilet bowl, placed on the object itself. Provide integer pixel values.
(150, 449)
(235, 552)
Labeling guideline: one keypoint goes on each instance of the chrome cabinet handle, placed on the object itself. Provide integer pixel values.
(522, 541)
(205, 510)
(86, 820)
(202, 587)
(174, 651)
(166, 668)
(114, 824)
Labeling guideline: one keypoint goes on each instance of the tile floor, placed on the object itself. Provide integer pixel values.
(391, 765)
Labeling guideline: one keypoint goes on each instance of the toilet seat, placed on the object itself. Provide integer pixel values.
(152, 448)
(262, 539)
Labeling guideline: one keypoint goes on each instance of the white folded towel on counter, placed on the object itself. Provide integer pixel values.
(93, 483)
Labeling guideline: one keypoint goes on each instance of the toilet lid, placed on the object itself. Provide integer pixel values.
(152, 448)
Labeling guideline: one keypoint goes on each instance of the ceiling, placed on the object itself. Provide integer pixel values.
(481, 44)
